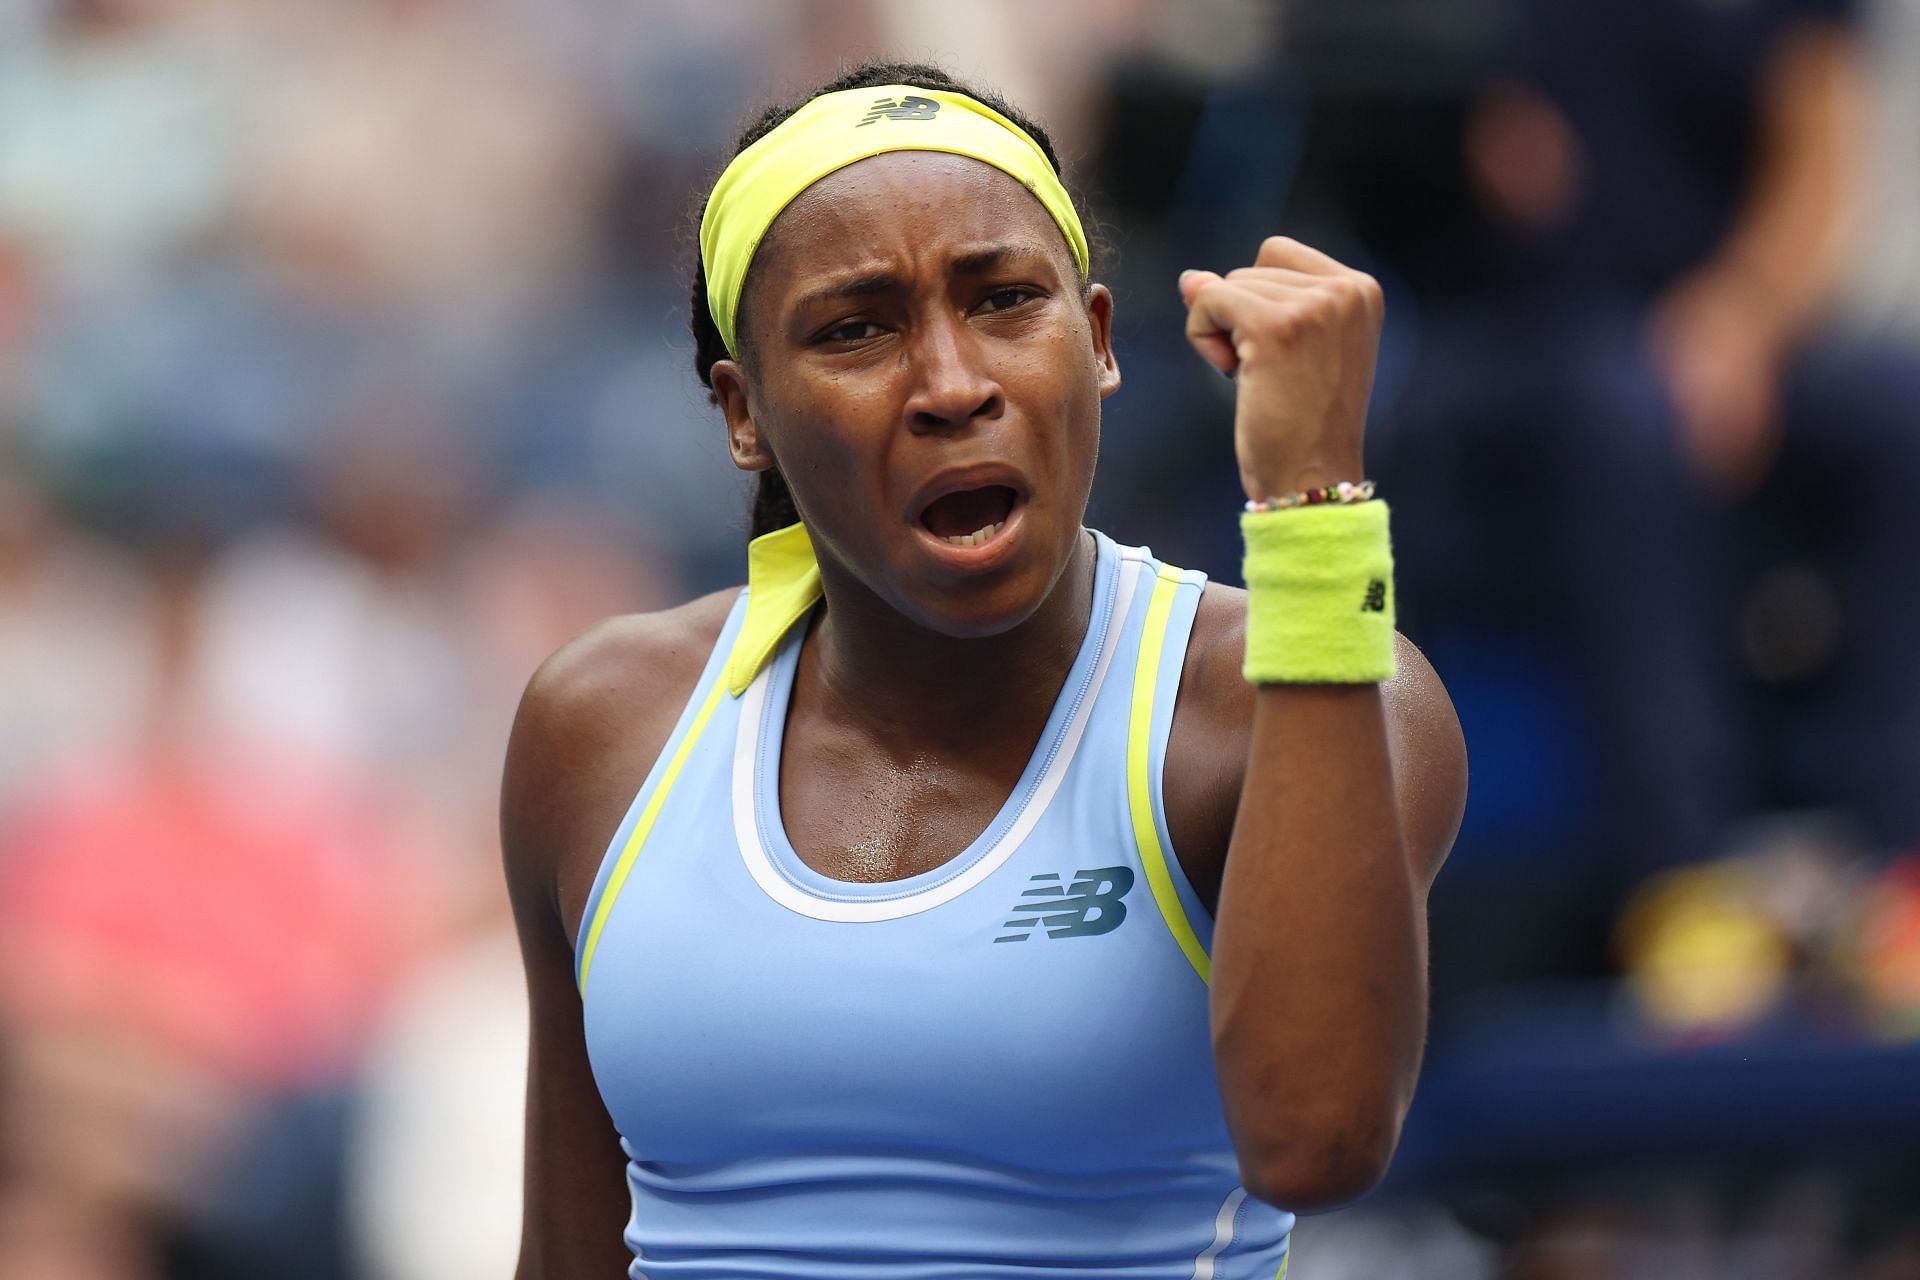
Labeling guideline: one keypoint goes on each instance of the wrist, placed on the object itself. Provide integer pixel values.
(1344, 494)
(1319, 595)
(1273, 482)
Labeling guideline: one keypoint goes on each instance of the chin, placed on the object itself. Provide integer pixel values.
(962, 597)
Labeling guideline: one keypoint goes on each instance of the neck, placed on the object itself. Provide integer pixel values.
(899, 680)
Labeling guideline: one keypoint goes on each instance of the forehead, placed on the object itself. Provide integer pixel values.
(902, 209)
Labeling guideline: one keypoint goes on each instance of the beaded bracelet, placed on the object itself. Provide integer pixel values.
(1344, 493)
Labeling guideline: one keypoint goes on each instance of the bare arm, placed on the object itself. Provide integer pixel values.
(1792, 231)
(1286, 909)
(1351, 793)
(589, 726)
(1723, 330)
(575, 1201)
(1351, 799)
(574, 1197)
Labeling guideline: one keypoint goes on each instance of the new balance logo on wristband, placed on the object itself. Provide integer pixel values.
(909, 107)
(1086, 908)
(1376, 601)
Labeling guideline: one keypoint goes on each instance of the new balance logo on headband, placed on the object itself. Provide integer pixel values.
(908, 108)
(1086, 908)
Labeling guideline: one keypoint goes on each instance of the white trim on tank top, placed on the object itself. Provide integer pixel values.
(753, 850)
(1223, 1227)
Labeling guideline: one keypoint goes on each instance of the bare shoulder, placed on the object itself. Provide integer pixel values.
(1213, 727)
(619, 665)
(1429, 758)
(1419, 713)
(591, 722)
(589, 726)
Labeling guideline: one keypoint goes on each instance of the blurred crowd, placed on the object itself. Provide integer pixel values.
(344, 375)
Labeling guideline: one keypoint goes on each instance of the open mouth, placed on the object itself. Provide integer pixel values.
(970, 517)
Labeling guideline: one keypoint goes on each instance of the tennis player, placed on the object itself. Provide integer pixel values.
(997, 899)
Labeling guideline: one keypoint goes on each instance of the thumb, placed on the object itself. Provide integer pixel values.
(1193, 281)
(1206, 336)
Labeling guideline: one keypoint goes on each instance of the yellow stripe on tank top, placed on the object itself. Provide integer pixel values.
(642, 827)
(1146, 834)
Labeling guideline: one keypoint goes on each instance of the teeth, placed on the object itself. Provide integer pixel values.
(975, 538)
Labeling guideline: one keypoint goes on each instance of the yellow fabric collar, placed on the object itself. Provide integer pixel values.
(783, 582)
(833, 131)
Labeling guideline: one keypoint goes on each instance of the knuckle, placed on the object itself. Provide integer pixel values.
(1353, 291)
(1289, 323)
(1206, 296)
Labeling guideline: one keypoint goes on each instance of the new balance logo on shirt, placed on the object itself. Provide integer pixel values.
(1089, 906)
(909, 107)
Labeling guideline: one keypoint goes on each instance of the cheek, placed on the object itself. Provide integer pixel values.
(1078, 408)
(829, 448)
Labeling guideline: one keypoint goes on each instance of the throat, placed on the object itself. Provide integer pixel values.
(941, 692)
(905, 684)
(901, 745)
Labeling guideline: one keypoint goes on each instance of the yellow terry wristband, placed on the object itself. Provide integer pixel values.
(1319, 595)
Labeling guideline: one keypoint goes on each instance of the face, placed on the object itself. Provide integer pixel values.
(925, 366)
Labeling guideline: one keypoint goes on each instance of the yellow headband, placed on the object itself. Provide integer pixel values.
(833, 131)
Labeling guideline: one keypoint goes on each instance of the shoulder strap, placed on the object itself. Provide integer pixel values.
(686, 734)
(1162, 646)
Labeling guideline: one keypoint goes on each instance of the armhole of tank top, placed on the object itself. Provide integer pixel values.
(617, 862)
(1156, 684)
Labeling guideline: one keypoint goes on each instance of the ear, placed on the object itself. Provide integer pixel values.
(1100, 318)
(748, 447)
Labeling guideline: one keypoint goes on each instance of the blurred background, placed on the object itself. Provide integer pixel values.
(344, 374)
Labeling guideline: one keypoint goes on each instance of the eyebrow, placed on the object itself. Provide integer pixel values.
(987, 257)
(969, 262)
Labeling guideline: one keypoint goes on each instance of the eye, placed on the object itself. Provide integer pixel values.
(1011, 296)
(849, 331)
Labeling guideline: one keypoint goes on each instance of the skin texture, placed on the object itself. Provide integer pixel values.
(970, 342)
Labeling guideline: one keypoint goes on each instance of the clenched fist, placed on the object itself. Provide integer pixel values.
(1299, 333)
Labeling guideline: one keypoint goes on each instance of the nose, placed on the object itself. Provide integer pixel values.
(953, 385)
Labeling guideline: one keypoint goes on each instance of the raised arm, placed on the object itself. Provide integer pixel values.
(1351, 793)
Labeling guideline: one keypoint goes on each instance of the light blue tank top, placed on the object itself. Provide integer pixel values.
(999, 1067)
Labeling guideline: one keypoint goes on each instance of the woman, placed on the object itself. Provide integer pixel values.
(973, 847)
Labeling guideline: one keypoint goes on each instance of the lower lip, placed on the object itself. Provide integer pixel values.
(990, 554)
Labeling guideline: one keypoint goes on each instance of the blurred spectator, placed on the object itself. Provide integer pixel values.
(120, 137)
(413, 160)
(342, 637)
(192, 927)
(434, 1161)
(435, 1164)
(73, 673)
(1638, 335)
